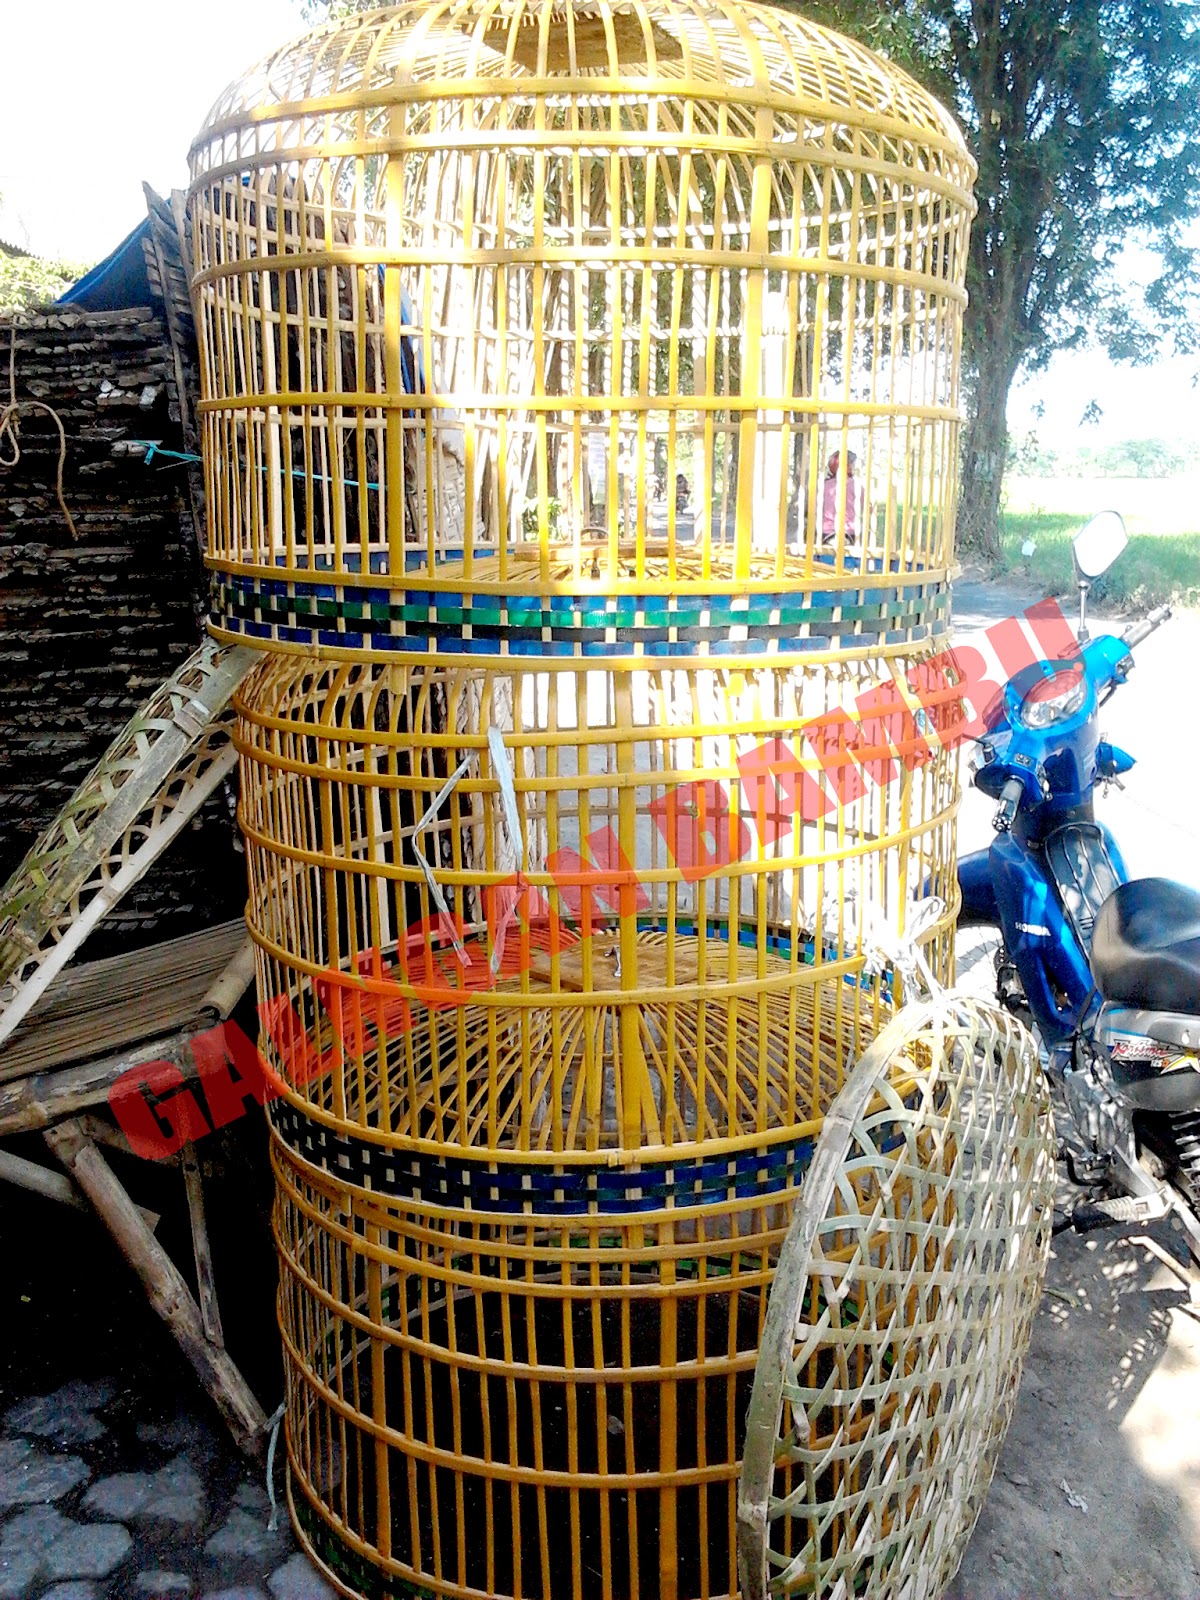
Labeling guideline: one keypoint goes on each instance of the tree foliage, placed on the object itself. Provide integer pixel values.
(28, 281)
(318, 11)
(1124, 458)
(1084, 117)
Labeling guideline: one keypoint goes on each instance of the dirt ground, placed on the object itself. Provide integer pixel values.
(1110, 1400)
(1110, 1407)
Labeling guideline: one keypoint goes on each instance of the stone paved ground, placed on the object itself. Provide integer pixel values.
(117, 1479)
(100, 1499)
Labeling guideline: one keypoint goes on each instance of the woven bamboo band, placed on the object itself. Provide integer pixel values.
(332, 619)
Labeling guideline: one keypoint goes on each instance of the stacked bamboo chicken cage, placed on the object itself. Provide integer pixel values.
(530, 333)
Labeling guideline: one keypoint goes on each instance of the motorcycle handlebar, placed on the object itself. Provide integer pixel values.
(1142, 630)
(1010, 802)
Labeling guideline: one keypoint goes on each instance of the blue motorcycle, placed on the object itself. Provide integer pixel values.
(1107, 971)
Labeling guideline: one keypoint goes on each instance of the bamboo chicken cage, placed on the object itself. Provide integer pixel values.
(476, 280)
(579, 416)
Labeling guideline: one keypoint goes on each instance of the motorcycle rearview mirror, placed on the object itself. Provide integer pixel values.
(1096, 546)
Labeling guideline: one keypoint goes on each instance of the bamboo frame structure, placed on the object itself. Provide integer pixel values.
(579, 415)
(165, 1286)
(643, 948)
(66, 1040)
(900, 1312)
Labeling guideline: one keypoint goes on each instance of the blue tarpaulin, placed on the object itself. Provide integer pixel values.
(116, 283)
(121, 281)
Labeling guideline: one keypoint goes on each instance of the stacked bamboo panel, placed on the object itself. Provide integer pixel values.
(530, 335)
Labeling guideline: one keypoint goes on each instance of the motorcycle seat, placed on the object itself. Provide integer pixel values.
(1146, 947)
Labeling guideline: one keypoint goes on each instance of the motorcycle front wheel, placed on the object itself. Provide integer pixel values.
(979, 956)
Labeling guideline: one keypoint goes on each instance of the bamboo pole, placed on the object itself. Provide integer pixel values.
(164, 1285)
(39, 1180)
(210, 1311)
(36, 1179)
(29, 1104)
(231, 983)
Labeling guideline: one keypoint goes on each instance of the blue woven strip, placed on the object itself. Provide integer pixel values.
(480, 1183)
(584, 626)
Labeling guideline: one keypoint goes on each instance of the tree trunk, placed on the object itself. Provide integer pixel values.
(984, 449)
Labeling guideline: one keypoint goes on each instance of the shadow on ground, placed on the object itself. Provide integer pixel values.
(1110, 1406)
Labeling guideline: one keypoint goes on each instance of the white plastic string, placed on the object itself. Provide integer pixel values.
(502, 767)
(431, 883)
(885, 946)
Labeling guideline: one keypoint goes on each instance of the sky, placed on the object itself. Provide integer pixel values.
(1161, 400)
(98, 94)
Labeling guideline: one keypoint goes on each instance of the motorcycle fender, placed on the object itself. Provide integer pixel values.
(1044, 947)
(977, 887)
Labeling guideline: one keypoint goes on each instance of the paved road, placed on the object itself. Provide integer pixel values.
(1110, 1402)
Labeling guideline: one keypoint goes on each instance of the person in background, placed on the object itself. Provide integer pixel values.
(851, 498)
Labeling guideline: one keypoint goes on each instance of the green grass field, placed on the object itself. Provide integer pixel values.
(1157, 566)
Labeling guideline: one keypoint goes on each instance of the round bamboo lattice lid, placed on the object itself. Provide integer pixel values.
(574, 302)
(901, 1311)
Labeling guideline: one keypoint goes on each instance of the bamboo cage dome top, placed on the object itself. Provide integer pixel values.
(752, 53)
(573, 299)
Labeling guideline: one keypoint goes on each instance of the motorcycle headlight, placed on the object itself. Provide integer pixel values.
(1054, 700)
